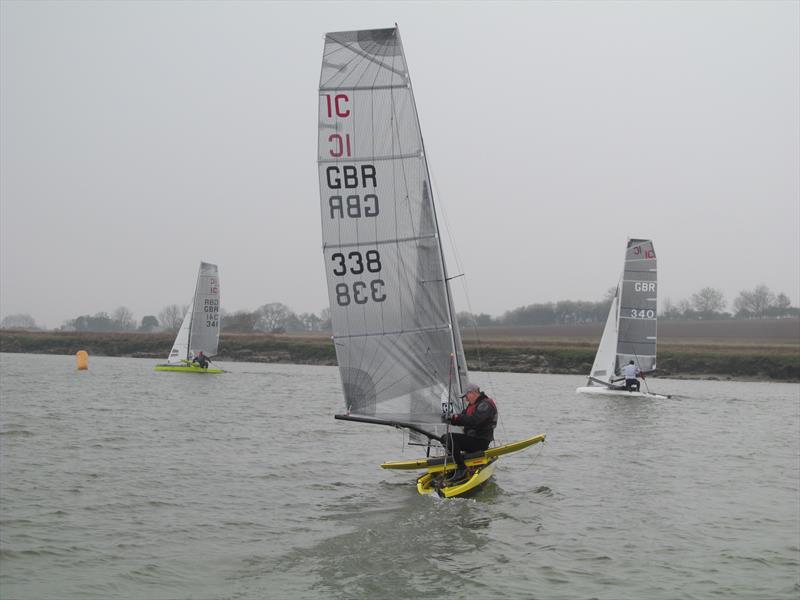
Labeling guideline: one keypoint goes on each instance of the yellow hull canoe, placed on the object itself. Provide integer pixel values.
(433, 482)
(472, 459)
(480, 467)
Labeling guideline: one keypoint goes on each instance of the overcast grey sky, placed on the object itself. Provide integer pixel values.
(139, 138)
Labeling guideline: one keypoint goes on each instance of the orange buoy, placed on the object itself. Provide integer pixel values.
(82, 360)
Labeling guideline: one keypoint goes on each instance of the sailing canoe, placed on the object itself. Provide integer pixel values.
(199, 331)
(397, 340)
(630, 332)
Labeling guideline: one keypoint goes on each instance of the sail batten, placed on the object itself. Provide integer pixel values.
(397, 346)
(356, 88)
(386, 241)
(399, 332)
(356, 159)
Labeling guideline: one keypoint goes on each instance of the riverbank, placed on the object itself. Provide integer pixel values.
(529, 350)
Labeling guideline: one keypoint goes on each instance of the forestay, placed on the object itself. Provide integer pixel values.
(396, 340)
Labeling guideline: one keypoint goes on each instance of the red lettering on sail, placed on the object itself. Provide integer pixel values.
(341, 147)
(339, 105)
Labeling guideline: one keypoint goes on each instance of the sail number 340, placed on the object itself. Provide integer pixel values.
(357, 263)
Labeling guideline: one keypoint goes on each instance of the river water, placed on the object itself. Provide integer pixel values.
(120, 482)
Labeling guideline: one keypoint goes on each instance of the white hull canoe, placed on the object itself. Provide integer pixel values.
(597, 390)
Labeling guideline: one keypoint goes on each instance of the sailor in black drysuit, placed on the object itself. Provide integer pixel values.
(202, 360)
(478, 419)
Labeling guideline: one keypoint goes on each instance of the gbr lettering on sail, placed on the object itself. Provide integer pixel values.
(352, 194)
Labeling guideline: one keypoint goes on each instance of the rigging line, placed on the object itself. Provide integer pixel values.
(539, 452)
(647, 387)
(454, 338)
(465, 286)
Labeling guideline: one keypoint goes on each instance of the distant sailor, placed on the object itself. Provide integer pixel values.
(202, 360)
(478, 419)
(631, 372)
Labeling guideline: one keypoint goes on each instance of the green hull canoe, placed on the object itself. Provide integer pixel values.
(186, 369)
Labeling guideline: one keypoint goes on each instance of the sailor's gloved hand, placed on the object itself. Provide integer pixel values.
(445, 418)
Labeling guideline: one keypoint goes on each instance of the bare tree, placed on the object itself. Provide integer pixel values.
(18, 321)
(325, 319)
(274, 317)
(684, 308)
(754, 303)
(171, 316)
(669, 310)
(708, 301)
(123, 318)
(782, 302)
(241, 321)
(310, 321)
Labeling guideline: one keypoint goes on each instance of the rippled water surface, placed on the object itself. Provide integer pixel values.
(121, 482)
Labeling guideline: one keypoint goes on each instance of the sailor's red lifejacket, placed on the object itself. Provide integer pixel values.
(471, 408)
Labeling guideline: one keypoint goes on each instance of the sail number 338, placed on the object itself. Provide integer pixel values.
(356, 263)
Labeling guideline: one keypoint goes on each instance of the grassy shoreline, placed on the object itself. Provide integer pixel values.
(695, 359)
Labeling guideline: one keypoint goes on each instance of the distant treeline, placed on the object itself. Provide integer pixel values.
(776, 362)
(707, 304)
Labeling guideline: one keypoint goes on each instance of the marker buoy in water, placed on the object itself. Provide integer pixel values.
(82, 360)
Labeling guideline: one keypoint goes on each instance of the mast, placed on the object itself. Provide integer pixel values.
(453, 321)
(191, 311)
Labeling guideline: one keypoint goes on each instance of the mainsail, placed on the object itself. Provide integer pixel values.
(200, 328)
(630, 331)
(396, 338)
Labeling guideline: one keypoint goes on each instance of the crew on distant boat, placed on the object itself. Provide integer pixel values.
(631, 372)
(202, 360)
(478, 419)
